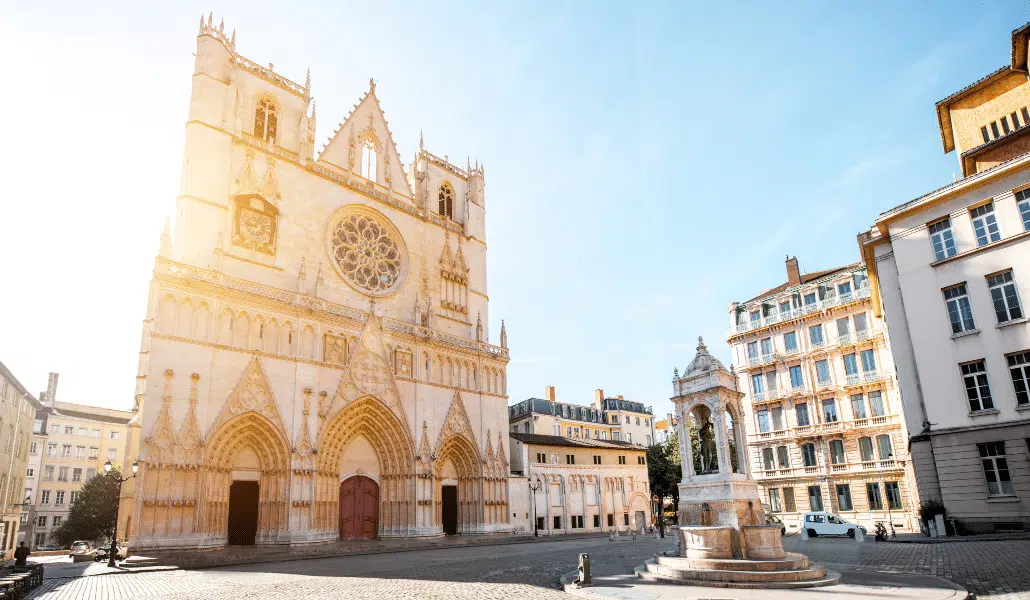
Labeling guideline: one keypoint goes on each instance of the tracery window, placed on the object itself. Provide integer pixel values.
(446, 197)
(368, 160)
(266, 120)
(367, 252)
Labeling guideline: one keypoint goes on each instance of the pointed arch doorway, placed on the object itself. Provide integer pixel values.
(359, 508)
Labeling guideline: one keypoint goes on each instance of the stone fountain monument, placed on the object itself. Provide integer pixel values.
(724, 540)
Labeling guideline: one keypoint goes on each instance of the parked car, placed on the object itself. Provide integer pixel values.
(81, 548)
(824, 523)
(773, 519)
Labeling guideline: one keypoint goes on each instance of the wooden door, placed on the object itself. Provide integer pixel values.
(359, 508)
(243, 512)
(450, 509)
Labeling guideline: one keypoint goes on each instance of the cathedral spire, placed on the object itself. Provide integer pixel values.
(504, 335)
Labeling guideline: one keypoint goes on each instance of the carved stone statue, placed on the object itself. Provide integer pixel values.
(709, 454)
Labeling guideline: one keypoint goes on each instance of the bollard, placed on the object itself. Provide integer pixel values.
(859, 535)
(804, 532)
(584, 570)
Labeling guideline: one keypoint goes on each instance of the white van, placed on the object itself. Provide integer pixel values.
(824, 523)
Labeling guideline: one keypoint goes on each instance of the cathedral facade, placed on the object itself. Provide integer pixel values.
(315, 361)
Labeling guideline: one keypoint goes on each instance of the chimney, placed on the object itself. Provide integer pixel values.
(793, 274)
(599, 399)
(549, 393)
(51, 389)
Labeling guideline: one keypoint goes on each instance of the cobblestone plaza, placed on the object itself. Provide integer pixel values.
(995, 569)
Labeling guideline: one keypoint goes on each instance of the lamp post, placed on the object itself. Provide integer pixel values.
(890, 520)
(114, 532)
(535, 486)
(659, 511)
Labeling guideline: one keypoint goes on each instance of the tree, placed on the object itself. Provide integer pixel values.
(664, 472)
(95, 511)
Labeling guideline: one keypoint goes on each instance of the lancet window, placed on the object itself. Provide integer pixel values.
(446, 198)
(266, 120)
(368, 160)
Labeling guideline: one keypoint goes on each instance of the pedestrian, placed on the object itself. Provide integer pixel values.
(21, 554)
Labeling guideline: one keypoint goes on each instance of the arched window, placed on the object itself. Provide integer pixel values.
(266, 120)
(368, 160)
(446, 197)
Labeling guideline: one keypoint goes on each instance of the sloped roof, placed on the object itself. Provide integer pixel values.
(557, 440)
(806, 278)
(92, 413)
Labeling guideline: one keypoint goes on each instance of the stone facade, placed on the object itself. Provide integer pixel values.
(17, 413)
(826, 422)
(615, 418)
(581, 485)
(314, 319)
(72, 444)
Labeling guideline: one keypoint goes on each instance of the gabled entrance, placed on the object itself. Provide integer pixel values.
(450, 509)
(359, 508)
(243, 512)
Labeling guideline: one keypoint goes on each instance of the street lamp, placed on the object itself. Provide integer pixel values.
(114, 533)
(536, 486)
(890, 520)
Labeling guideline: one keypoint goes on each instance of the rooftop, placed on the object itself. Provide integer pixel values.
(804, 280)
(556, 440)
(92, 413)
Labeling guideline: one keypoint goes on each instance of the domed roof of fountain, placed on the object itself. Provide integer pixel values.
(703, 362)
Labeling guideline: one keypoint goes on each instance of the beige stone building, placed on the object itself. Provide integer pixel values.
(578, 485)
(614, 419)
(825, 422)
(78, 440)
(17, 413)
(315, 360)
(950, 273)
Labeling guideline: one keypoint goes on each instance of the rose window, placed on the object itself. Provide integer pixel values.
(366, 253)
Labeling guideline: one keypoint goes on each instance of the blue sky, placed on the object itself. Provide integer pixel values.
(646, 163)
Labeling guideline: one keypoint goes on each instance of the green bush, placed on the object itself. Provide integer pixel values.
(929, 509)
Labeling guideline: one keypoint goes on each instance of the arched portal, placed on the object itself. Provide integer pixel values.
(459, 480)
(359, 508)
(369, 418)
(245, 474)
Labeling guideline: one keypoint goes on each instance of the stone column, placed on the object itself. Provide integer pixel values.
(722, 446)
(686, 452)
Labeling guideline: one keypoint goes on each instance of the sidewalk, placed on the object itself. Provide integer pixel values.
(918, 538)
(237, 555)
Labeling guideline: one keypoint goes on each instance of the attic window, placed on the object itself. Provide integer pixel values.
(265, 120)
(368, 160)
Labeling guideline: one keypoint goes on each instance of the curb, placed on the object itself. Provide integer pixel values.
(471, 543)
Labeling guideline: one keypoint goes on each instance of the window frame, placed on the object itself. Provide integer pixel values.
(1018, 364)
(985, 223)
(846, 489)
(959, 308)
(946, 239)
(974, 378)
(1005, 292)
(1023, 206)
(993, 454)
(269, 108)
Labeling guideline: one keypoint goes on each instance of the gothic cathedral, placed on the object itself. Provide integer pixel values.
(315, 361)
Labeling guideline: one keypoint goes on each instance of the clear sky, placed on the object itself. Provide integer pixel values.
(646, 163)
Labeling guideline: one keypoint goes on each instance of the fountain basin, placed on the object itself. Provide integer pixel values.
(763, 542)
(706, 542)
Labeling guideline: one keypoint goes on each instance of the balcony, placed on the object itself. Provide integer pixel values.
(856, 379)
(831, 427)
(821, 385)
(799, 390)
(766, 397)
(882, 465)
(831, 469)
(880, 421)
(770, 435)
(763, 359)
(804, 430)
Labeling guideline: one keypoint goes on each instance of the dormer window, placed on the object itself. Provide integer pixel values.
(266, 120)
(368, 160)
(446, 198)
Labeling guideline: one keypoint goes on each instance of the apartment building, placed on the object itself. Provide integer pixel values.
(614, 419)
(579, 485)
(75, 442)
(17, 412)
(825, 422)
(950, 271)
(664, 428)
